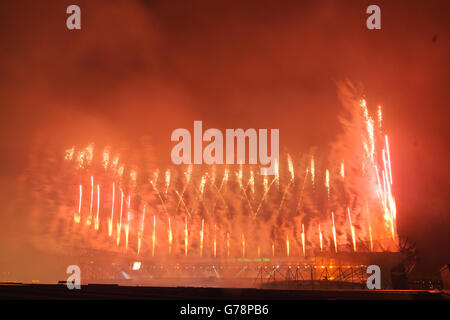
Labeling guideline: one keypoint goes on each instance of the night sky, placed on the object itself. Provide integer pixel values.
(144, 68)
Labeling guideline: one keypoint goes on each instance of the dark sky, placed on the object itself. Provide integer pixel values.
(144, 68)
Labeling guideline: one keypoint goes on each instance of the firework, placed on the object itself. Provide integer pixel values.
(388, 159)
(170, 237)
(76, 216)
(167, 181)
(215, 241)
(154, 236)
(303, 240)
(380, 117)
(233, 199)
(291, 168)
(127, 225)
(202, 232)
(243, 245)
(352, 230)
(89, 219)
(97, 216)
(287, 245)
(320, 239)
(228, 244)
(186, 235)
(119, 224)
(333, 230)
(141, 231)
(111, 219)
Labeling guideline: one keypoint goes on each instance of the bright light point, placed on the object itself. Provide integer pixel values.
(136, 265)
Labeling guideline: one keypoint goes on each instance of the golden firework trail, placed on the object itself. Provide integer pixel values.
(155, 177)
(320, 239)
(154, 236)
(119, 224)
(239, 175)
(106, 157)
(303, 240)
(291, 181)
(202, 232)
(160, 197)
(277, 173)
(111, 219)
(334, 232)
(89, 153)
(369, 227)
(133, 177)
(228, 244)
(221, 197)
(300, 198)
(120, 171)
(89, 219)
(291, 168)
(76, 216)
(379, 190)
(240, 195)
(251, 182)
(385, 165)
(127, 230)
(215, 241)
(127, 225)
(266, 184)
(264, 197)
(170, 237)
(200, 196)
(96, 221)
(287, 245)
(186, 235)
(69, 153)
(141, 231)
(183, 202)
(213, 175)
(370, 131)
(388, 201)
(202, 185)
(388, 158)
(188, 175)
(115, 163)
(380, 117)
(167, 181)
(243, 245)
(352, 230)
(225, 179)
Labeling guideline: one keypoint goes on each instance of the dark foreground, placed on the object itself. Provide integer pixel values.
(93, 292)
